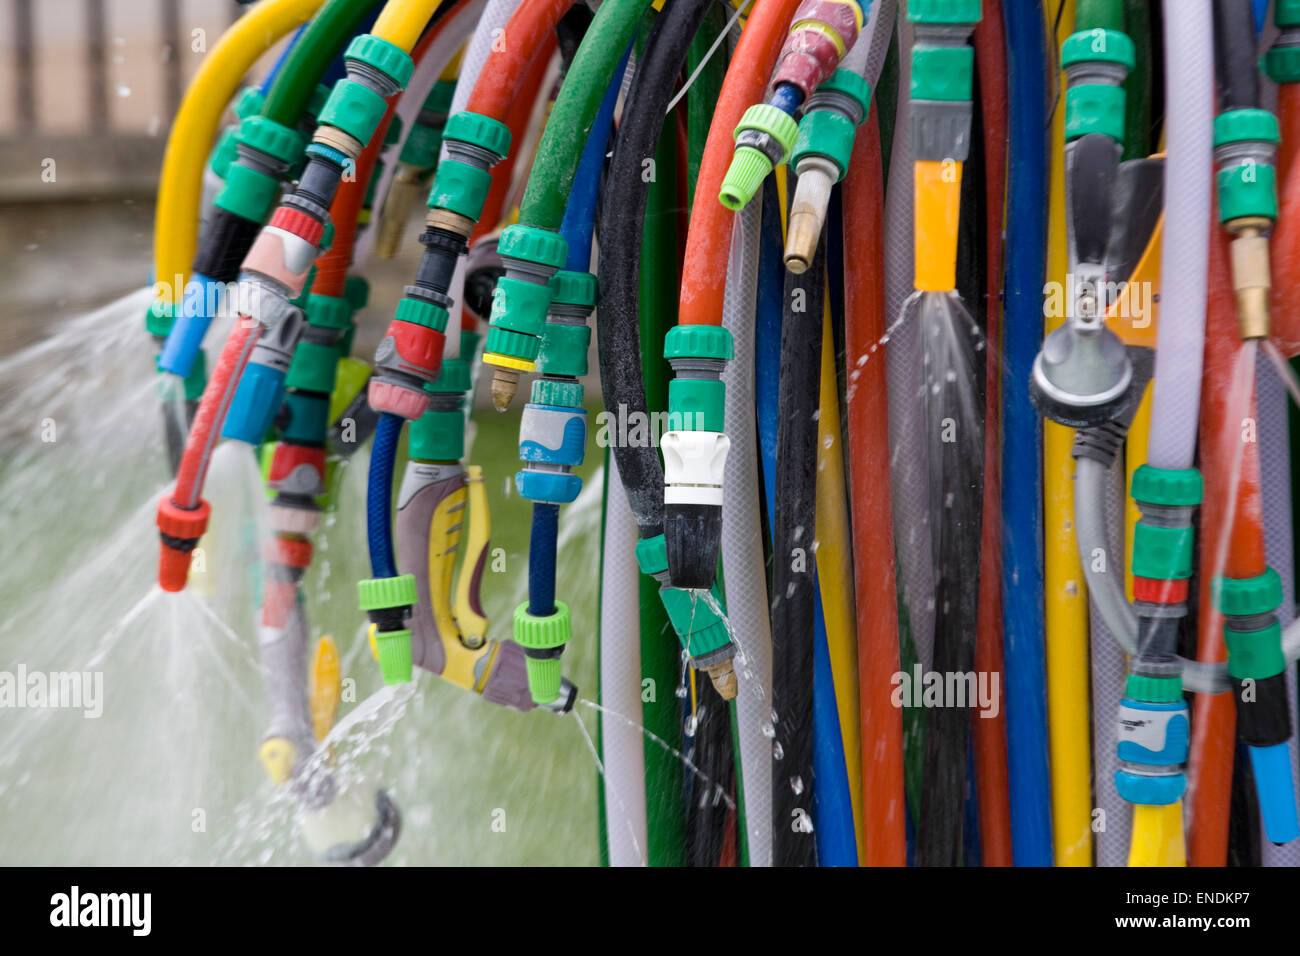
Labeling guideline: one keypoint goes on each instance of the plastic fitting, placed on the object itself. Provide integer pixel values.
(1257, 667)
(821, 32)
(1245, 145)
(410, 355)
(520, 304)
(821, 155)
(1282, 61)
(695, 452)
(700, 629)
(388, 602)
(179, 531)
(543, 640)
(764, 138)
(1096, 63)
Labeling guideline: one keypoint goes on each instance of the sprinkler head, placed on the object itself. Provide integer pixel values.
(1082, 374)
(358, 827)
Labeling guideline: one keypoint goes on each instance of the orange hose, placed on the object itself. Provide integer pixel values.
(883, 804)
(525, 35)
(990, 734)
(707, 244)
(1284, 305)
(1209, 793)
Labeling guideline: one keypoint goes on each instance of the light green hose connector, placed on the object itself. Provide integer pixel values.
(764, 138)
(543, 640)
(394, 649)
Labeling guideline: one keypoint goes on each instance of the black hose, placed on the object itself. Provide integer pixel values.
(1234, 55)
(619, 271)
(570, 30)
(794, 564)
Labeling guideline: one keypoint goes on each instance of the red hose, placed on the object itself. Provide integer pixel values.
(525, 35)
(521, 110)
(1213, 745)
(708, 242)
(1285, 244)
(883, 806)
(989, 734)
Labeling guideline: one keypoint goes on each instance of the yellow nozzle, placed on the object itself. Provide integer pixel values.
(325, 686)
(277, 755)
(936, 212)
(1158, 836)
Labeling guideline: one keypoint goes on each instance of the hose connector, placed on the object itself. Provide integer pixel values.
(409, 357)
(1154, 734)
(1096, 63)
(764, 138)
(388, 602)
(543, 640)
(696, 619)
(1282, 61)
(1245, 145)
(1082, 375)
(822, 151)
(1258, 667)
(821, 33)
(695, 452)
(520, 304)
(179, 531)
(418, 158)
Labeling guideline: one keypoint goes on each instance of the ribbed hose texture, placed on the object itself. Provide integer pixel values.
(621, 748)
(379, 496)
(903, 356)
(1109, 670)
(1275, 485)
(743, 569)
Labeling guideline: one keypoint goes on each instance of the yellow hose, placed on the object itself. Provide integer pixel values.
(402, 21)
(181, 181)
(1065, 598)
(835, 574)
(1158, 836)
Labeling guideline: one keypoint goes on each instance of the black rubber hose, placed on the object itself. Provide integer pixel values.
(570, 30)
(794, 564)
(1234, 55)
(619, 271)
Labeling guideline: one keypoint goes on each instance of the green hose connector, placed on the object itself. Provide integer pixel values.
(1282, 62)
(393, 647)
(1174, 487)
(1163, 549)
(420, 150)
(378, 54)
(439, 434)
(1254, 653)
(522, 297)
(700, 629)
(266, 149)
(355, 109)
(543, 640)
(764, 138)
(944, 12)
(697, 399)
(1096, 62)
(942, 73)
(1153, 690)
(1246, 141)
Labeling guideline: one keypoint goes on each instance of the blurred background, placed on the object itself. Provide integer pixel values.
(169, 773)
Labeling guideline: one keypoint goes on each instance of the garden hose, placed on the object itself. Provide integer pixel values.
(989, 730)
(1022, 539)
(694, 457)
(532, 249)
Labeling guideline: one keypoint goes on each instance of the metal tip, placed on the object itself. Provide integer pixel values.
(505, 382)
(801, 242)
(724, 680)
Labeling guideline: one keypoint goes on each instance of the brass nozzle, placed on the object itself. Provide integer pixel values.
(801, 240)
(1251, 280)
(402, 196)
(505, 382)
(723, 676)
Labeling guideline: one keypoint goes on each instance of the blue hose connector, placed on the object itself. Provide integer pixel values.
(185, 340)
(257, 399)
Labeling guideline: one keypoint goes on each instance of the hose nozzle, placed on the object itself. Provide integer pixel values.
(407, 188)
(764, 138)
(1082, 374)
(808, 211)
(543, 640)
(505, 384)
(179, 531)
(1251, 280)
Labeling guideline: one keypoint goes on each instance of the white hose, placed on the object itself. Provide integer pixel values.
(742, 538)
(1184, 254)
(867, 57)
(621, 745)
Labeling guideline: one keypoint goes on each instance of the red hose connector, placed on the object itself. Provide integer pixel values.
(179, 530)
(821, 33)
(286, 559)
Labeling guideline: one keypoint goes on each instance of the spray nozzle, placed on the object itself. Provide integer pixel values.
(1082, 374)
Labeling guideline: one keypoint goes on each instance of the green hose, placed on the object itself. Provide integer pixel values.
(1137, 85)
(1099, 15)
(660, 653)
(703, 94)
(322, 41)
(575, 109)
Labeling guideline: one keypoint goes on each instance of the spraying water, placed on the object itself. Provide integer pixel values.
(166, 772)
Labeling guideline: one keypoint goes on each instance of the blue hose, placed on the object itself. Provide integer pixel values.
(379, 496)
(1022, 492)
(541, 559)
(1261, 15)
(833, 827)
(767, 343)
(580, 212)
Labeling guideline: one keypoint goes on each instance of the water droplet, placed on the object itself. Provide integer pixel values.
(769, 731)
(123, 90)
(796, 784)
(778, 753)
